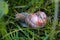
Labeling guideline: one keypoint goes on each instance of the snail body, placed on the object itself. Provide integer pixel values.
(38, 19)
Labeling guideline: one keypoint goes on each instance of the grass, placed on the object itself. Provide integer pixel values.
(11, 30)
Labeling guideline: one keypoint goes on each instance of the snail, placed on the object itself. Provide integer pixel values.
(35, 20)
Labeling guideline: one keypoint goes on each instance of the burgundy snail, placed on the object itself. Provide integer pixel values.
(35, 20)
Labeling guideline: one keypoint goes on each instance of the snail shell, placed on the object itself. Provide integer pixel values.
(36, 20)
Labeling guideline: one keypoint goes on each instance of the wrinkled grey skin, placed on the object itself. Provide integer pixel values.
(22, 17)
